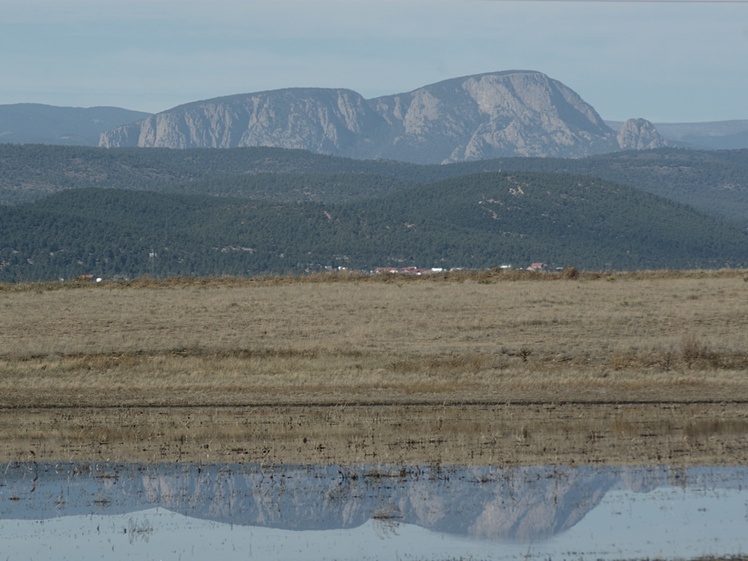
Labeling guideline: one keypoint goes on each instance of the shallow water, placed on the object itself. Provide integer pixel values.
(252, 511)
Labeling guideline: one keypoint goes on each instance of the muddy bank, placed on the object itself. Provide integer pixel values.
(570, 434)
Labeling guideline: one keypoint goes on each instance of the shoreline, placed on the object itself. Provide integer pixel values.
(507, 435)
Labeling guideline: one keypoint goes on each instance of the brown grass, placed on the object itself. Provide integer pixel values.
(682, 434)
(207, 342)
(466, 340)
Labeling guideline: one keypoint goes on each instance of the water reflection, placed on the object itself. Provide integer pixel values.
(425, 511)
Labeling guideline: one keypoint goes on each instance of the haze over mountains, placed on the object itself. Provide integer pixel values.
(366, 186)
(123, 213)
(512, 113)
(34, 123)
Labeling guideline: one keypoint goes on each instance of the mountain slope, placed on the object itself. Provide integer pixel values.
(320, 120)
(564, 219)
(512, 113)
(33, 123)
(715, 182)
(482, 220)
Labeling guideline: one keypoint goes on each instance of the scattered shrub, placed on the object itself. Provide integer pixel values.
(570, 273)
(693, 350)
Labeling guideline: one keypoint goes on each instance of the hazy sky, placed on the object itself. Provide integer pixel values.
(668, 61)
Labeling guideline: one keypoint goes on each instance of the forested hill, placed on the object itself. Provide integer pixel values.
(713, 181)
(30, 172)
(481, 220)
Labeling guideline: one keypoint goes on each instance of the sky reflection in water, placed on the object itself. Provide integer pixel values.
(183, 511)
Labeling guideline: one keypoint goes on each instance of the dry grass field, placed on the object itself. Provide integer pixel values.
(489, 349)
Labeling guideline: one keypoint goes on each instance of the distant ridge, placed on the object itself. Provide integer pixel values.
(717, 135)
(499, 114)
(35, 123)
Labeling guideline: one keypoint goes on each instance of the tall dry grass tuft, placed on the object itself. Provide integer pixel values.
(693, 353)
(570, 273)
(693, 350)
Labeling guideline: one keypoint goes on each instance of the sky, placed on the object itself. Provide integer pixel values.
(667, 61)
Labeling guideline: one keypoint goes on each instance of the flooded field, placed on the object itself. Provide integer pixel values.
(546, 481)
(472, 418)
(240, 511)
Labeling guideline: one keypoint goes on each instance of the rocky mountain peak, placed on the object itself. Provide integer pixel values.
(320, 120)
(511, 113)
(639, 134)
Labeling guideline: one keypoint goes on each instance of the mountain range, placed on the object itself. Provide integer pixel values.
(511, 113)
(419, 186)
(477, 221)
(714, 182)
(34, 123)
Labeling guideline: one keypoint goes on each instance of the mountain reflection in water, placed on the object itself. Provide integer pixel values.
(524, 504)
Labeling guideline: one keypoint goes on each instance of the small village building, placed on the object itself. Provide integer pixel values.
(538, 267)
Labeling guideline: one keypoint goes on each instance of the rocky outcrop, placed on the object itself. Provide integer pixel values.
(513, 113)
(492, 115)
(320, 120)
(639, 134)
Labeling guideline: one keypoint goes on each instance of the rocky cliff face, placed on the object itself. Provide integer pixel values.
(639, 134)
(492, 115)
(319, 120)
(514, 113)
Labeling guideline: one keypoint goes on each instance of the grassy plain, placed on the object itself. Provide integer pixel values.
(458, 368)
